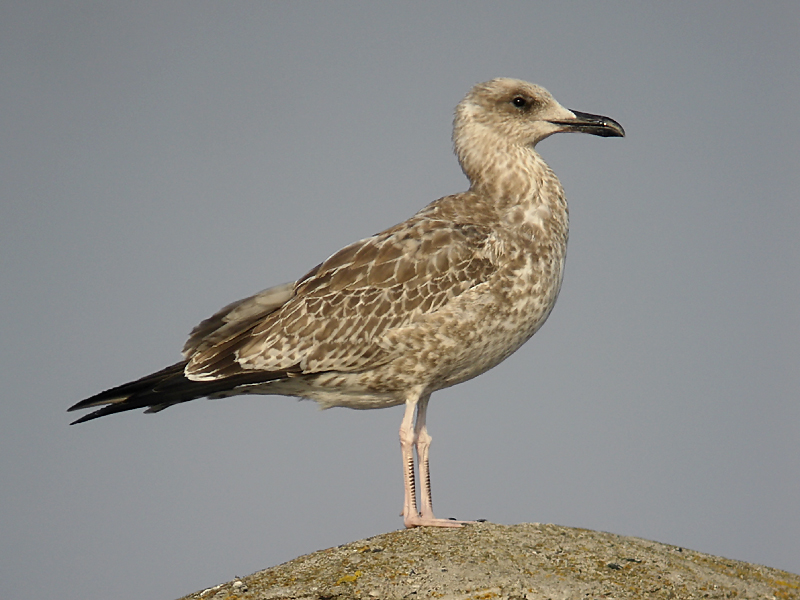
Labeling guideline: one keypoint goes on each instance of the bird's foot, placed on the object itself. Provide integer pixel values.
(420, 521)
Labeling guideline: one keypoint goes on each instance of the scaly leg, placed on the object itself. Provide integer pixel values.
(407, 448)
(412, 437)
(422, 442)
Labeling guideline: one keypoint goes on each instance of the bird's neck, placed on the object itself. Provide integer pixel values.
(511, 175)
(525, 193)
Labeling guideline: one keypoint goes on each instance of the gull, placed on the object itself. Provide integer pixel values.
(429, 303)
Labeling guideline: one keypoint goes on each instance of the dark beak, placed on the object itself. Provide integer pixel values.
(594, 124)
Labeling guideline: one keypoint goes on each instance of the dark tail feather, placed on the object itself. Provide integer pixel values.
(162, 389)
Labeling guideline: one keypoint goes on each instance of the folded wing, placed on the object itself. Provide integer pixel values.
(335, 318)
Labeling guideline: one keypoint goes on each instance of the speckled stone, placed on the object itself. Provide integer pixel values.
(528, 561)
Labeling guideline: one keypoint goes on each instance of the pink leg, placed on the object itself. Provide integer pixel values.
(422, 442)
(411, 438)
(407, 448)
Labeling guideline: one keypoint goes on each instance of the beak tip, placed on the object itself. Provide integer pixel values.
(595, 125)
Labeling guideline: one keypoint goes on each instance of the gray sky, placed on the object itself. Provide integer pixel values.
(160, 160)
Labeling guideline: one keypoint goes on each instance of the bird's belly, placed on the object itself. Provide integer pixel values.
(478, 330)
(496, 337)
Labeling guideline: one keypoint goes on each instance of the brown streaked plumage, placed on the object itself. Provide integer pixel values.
(426, 304)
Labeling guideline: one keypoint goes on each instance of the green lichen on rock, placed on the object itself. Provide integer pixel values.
(527, 561)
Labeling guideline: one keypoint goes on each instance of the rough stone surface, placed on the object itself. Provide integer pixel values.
(528, 561)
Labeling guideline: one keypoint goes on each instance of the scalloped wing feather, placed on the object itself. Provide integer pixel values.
(337, 317)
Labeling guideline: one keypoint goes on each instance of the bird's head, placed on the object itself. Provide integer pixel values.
(520, 114)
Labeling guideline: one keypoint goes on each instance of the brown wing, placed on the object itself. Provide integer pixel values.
(236, 318)
(339, 312)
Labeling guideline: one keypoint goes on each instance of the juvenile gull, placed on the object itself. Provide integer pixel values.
(421, 306)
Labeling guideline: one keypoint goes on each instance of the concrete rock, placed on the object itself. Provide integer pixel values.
(520, 562)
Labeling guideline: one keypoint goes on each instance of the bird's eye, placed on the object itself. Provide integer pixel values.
(519, 102)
